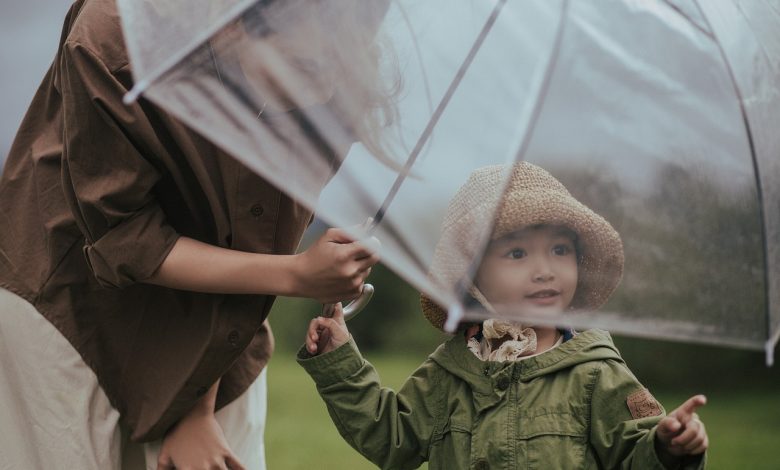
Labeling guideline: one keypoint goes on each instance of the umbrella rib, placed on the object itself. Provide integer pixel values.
(754, 158)
(438, 112)
(141, 85)
(710, 34)
(418, 54)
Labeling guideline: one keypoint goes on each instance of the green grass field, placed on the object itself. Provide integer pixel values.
(744, 425)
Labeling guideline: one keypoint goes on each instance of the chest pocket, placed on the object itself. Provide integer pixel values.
(553, 438)
(453, 448)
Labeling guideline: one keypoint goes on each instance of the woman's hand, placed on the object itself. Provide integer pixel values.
(326, 334)
(335, 267)
(197, 441)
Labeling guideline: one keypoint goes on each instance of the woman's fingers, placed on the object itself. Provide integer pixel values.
(233, 463)
(366, 248)
(164, 462)
(337, 235)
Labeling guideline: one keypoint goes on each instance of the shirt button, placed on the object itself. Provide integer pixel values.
(202, 391)
(481, 464)
(503, 382)
(233, 338)
(257, 210)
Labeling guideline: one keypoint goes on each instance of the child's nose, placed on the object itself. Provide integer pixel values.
(543, 273)
(544, 276)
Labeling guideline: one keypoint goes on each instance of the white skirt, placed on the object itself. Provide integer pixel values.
(53, 413)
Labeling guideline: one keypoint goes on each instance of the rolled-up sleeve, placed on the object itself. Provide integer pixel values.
(109, 173)
(619, 439)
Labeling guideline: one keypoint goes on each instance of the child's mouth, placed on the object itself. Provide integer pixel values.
(544, 297)
(544, 293)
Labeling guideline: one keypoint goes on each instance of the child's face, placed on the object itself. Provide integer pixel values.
(535, 267)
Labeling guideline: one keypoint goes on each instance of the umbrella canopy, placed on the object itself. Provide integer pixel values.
(661, 116)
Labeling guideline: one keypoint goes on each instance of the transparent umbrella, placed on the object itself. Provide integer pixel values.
(661, 116)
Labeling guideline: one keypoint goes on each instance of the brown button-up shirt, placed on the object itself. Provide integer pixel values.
(94, 195)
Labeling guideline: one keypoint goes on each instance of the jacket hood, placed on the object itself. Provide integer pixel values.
(489, 380)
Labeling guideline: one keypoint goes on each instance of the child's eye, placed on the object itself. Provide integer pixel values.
(562, 250)
(517, 253)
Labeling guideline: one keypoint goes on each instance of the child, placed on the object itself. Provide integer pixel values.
(498, 395)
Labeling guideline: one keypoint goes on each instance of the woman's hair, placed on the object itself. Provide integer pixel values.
(367, 94)
(355, 53)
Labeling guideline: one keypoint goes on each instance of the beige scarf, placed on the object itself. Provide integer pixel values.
(521, 342)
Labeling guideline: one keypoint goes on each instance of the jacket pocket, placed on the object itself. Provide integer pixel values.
(551, 438)
(452, 450)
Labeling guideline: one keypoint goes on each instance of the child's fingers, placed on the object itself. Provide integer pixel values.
(689, 434)
(313, 330)
(325, 334)
(311, 345)
(686, 411)
(698, 440)
(668, 428)
(312, 336)
(338, 314)
(701, 448)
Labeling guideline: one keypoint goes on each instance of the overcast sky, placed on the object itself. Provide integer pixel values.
(29, 32)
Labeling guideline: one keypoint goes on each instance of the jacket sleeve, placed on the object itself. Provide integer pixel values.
(392, 430)
(107, 173)
(618, 439)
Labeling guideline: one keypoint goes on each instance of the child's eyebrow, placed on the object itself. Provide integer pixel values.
(513, 236)
(522, 234)
(565, 232)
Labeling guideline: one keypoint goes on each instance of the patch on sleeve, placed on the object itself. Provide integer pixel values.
(642, 404)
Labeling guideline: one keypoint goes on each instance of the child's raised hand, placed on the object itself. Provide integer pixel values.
(326, 334)
(681, 432)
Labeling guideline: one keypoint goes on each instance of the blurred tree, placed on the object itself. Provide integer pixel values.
(693, 247)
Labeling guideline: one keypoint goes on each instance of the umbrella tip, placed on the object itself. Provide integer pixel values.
(454, 315)
(770, 346)
(132, 95)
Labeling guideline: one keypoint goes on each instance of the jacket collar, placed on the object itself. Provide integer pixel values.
(489, 380)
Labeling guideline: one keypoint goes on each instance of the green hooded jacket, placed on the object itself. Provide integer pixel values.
(563, 409)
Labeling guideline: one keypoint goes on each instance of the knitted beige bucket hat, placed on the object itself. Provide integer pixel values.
(531, 196)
